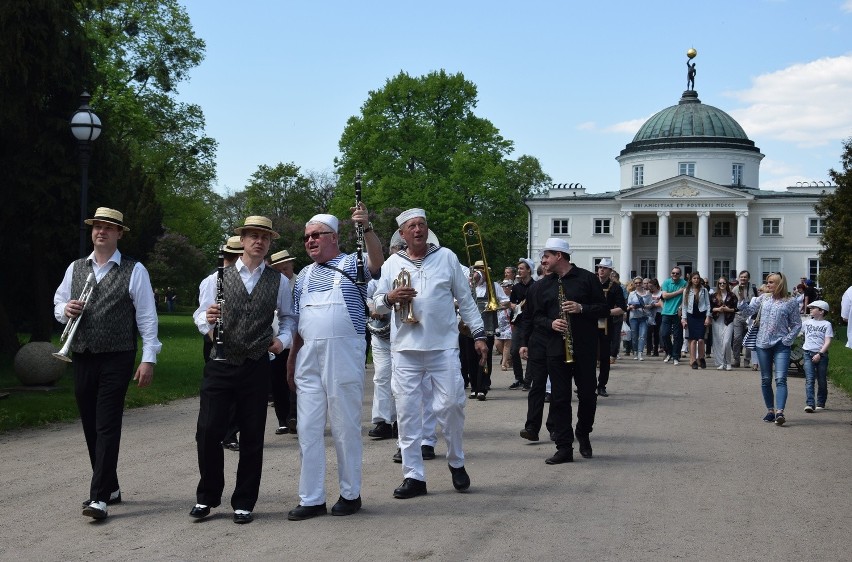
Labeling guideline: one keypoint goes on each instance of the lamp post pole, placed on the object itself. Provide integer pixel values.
(86, 127)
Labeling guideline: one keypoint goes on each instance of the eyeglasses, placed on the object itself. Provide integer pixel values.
(315, 235)
(675, 272)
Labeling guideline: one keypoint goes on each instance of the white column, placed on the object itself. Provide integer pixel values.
(626, 244)
(742, 241)
(662, 244)
(703, 264)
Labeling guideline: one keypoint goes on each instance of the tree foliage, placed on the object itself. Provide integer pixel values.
(418, 143)
(836, 211)
(175, 262)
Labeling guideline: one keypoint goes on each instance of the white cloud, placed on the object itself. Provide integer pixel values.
(630, 126)
(846, 6)
(805, 104)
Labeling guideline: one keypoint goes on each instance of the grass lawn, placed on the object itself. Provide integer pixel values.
(840, 361)
(177, 375)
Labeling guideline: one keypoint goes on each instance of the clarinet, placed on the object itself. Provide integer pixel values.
(219, 327)
(360, 279)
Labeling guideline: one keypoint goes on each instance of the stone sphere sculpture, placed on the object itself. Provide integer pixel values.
(35, 364)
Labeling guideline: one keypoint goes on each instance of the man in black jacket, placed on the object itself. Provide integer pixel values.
(545, 336)
(516, 302)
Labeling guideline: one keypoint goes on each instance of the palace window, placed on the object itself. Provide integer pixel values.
(561, 227)
(737, 174)
(720, 268)
(686, 168)
(648, 268)
(638, 175)
(816, 227)
(813, 269)
(648, 228)
(684, 228)
(769, 265)
(603, 226)
(771, 227)
(722, 228)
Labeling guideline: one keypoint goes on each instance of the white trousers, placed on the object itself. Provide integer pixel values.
(384, 407)
(412, 372)
(722, 336)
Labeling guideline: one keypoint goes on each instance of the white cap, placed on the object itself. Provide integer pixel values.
(819, 304)
(556, 245)
(529, 263)
(605, 262)
(408, 215)
(328, 220)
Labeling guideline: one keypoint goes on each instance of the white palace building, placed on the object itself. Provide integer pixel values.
(689, 196)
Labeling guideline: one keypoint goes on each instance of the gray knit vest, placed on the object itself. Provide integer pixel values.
(248, 317)
(109, 322)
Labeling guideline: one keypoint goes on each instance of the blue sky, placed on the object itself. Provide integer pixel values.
(569, 82)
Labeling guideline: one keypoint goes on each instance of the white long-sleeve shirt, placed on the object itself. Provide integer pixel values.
(141, 294)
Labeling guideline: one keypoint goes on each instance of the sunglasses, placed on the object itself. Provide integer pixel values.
(315, 235)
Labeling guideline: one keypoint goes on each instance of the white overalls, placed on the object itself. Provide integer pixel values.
(329, 380)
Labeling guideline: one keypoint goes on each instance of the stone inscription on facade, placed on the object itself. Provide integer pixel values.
(683, 205)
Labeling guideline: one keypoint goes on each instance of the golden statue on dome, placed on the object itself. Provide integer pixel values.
(690, 73)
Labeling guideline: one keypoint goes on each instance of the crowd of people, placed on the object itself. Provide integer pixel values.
(434, 325)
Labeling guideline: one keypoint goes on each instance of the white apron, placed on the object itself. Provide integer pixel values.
(329, 381)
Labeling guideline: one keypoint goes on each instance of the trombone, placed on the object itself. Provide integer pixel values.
(472, 239)
(71, 327)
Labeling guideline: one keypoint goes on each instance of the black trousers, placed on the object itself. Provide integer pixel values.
(479, 377)
(604, 347)
(100, 385)
(559, 417)
(246, 387)
(515, 354)
(284, 399)
(233, 428)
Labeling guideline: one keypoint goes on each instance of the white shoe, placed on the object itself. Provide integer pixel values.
(667, 359)
(728, 367)
(809, 409)
(641, 357)
(720, 367)
(675, 362)
(820, 408)
(636, 357)
(96, 510)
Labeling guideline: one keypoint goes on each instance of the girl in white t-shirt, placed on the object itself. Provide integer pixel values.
(818, 334)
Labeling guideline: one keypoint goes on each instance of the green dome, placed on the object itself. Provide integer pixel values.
(690, 124)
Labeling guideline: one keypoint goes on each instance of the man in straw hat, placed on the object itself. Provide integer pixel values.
(283, 400)
(231, 250)
(543, 338)
(326, 363)
(252, 294)
(427, 351)
(104, 347)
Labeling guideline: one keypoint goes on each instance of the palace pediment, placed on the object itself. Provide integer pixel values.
(684, 192)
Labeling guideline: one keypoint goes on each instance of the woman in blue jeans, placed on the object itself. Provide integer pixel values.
(780, 323)
(640, 304)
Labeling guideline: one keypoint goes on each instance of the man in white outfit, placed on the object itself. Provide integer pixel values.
(845, 311)
(326, 362)
(427, 350)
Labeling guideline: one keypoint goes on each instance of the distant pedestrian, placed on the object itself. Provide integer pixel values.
(724, 307)
(696, 318)
(818, 333)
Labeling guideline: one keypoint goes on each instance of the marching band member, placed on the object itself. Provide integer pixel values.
(427, 351)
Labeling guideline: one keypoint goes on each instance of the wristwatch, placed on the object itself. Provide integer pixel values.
(368, 228)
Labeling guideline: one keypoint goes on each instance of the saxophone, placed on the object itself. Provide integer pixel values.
(567, 336)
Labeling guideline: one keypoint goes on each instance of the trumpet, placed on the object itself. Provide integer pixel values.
(406, 310)
(567, 335)
(71, 327)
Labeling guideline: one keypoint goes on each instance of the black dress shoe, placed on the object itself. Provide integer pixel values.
(702, 363)
(199, 512)
(114, 498)
(561, 456)
(461, 481)
(302, 512)
(346, 507)
(291, 424)
(529, 434)
(585, 445)
(243, 518)
(282, 430)
(410, 488)
(232, 446)
(481, 396)
(515, 385)
(95, 510)
(427, 452)
(602, 392)
(397, 456)
(381, 431)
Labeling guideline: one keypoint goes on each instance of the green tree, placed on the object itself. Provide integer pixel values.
(175, 262)
(836, 257)
(419, 143)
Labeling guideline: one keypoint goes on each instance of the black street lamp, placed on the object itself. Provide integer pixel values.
(86, 127)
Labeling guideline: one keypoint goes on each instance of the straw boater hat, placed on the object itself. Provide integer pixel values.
(105, 214)
(281, 257)
(233, 246)
(257, 223)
